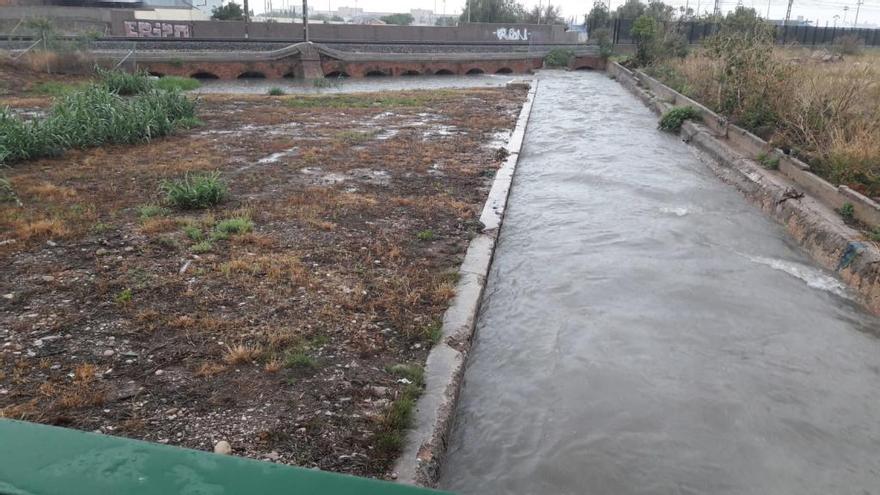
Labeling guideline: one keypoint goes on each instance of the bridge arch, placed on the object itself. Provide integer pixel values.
(202, 74)
(337, 73)
(252, 74)
(584, 67)
(444, 72)
(155, 74)
(376, 73)
(475, 71)
(504, 70)
(410, 73)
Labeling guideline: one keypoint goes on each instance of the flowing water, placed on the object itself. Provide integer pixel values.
(357, 85)
(645, 330)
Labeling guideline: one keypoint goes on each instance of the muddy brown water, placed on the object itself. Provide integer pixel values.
(646, 331)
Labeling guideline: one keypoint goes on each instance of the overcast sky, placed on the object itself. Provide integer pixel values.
(817, 10)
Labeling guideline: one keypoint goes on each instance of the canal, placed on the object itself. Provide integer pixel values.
(647, 331)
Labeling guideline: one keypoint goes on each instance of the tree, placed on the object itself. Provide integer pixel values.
(660, 11)
(548, 15)
(644, 33)
(632, 9)
(399, 19)
(493, 11)
(446, 21)
(229, 12)
(599, 16)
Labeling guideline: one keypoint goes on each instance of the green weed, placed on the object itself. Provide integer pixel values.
(149, 211)
(232, 226)
(770, 162)
(425, 235)
(196, 191)
(275, 91)
(847, 211)
(176, 83)
(125, 83)
(124, 297)
(674, 118)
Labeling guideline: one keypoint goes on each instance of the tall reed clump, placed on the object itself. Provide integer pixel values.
(92, 117)
(125, 83)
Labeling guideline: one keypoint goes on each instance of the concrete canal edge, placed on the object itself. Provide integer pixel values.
(799, 200)
(426, 442)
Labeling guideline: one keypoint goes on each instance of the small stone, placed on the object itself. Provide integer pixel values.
(51, 243)
(109, 352)
(222, 447)
(8, 296)
(129, 249)
(101, 252)
(273, 456)
(48, 278)
(159, 372)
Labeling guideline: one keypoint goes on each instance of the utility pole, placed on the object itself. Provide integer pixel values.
(247, 18)
(858, 6)
(768, 10)
(717, 11)
(306, 19)
(788, 12)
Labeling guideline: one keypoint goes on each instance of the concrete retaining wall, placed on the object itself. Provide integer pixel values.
(811, 219)
(127, 23)
(426, 443)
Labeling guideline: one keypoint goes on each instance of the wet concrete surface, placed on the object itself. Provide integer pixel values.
(357, 85)
(646, 331)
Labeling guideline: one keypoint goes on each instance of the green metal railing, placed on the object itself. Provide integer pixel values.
(46, 460)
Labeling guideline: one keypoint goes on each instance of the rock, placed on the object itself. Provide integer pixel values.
(51, 243)
(101, 252)
(380, 391)
(109, 352)
(48, 278)
(273, 456)
(222, 447)
(129, 249)
(8, 296)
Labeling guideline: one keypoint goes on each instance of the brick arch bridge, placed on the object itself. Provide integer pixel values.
(310, 61)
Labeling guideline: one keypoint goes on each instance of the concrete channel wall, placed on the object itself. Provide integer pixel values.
(426, 443)
(803, 202)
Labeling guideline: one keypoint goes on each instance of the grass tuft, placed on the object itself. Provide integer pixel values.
(176, 83)
(275, 91)
(196, 191)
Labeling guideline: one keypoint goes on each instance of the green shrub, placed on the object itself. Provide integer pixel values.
(674, 118)
(769, 161)
(558, 57)
(55, 88)
(847, 211)
(195, 191)
(425, 235)
(275, 91)
(194, 233)
(644, 33)
(176, 83)
(125, 83)
(236, 225)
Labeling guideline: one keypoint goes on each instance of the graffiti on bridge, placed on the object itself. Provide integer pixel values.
(141, 29)
(512, 34)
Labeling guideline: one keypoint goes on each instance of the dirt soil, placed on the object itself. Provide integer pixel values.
(122, 315)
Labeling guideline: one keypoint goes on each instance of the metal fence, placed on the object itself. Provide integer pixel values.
(803, 35)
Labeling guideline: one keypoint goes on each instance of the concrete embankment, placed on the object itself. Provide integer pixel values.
(804, 203)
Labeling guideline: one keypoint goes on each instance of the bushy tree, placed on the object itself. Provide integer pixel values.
(550, 14)
(229, 12)
(399, 19)
(632, 9)
(599, 16)
(493, 11)
(644, 33)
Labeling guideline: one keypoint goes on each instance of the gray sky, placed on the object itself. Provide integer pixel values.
(821, 10)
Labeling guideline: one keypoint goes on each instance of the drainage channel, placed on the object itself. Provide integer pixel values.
(645, 330)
